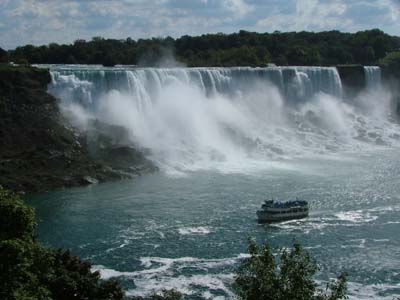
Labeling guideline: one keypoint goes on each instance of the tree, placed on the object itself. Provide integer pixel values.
(3, 55)
(17, 219)
(367, 55)
(71, 60)
(313, 57)
(296, 56)
(109, 61)
(261, 276)
(391, 71)
(392, 61)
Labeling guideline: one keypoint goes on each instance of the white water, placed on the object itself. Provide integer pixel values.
(229, 119)
(372, 77)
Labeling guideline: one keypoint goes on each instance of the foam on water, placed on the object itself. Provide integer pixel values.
(159, 274)
(374, 291)
(356, 216)
(185, 284)
(201, 230)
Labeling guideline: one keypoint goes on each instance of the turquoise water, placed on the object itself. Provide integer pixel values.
(189, 232)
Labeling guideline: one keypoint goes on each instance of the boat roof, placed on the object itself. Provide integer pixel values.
(287, 204)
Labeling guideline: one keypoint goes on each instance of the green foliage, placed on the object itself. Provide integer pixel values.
(238, 49)
(30, 271)
(261, 276)
(17, 220)
(71, 278)
(22, 265)
(22, 61)
(3, 55)
(391, 66)
(392, 60)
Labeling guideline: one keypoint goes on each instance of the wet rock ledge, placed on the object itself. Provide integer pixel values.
(39, 153)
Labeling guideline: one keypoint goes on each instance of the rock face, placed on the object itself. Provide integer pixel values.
(391, 78)
(353, 79)
(37, 152)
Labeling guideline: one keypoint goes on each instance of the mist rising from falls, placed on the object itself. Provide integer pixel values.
(228, 118)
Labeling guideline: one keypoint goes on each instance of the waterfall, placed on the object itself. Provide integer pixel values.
(372, 77)
(226, 118)
(297, 84)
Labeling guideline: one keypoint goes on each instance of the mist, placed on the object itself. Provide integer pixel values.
(230, 120)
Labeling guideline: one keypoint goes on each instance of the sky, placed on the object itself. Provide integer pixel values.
(40, 22)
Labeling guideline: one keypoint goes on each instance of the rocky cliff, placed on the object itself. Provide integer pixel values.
(39, 153)
(353, 79)
(391, 77)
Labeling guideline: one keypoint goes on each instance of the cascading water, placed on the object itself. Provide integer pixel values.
(372, 77)
(298, 82)
(225, 118)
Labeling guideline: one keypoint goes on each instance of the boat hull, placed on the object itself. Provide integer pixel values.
(268, 218)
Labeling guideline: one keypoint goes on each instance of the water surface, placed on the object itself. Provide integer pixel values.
(189, 232)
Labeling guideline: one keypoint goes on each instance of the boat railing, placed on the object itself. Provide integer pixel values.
(289, 204)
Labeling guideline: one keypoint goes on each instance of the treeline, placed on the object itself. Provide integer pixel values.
(391, 63)
(238, 49)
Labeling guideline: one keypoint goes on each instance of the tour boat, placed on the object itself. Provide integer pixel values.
(282, 211)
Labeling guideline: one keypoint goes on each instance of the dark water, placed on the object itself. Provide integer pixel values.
(189, 232)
